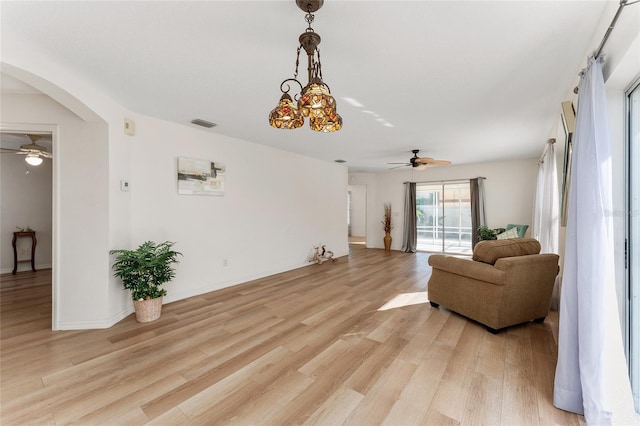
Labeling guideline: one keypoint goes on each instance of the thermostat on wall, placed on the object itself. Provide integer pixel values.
(124, 185)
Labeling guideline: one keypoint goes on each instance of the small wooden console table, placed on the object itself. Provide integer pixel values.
(19, 234)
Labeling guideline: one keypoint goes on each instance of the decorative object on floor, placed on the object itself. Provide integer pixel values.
(508, 282)
(315, 100)
(143, 272)
(321, 254)
(386, 222)
(200, 177)
(485, 233)
(421, 163)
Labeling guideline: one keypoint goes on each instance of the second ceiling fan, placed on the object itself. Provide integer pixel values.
(421, 163)
(33, 152)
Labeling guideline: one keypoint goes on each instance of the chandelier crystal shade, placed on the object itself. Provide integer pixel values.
(314, 101)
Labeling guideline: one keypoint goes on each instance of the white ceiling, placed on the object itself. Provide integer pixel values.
(467, 81)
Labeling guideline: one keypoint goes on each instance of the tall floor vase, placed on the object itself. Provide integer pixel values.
(387, 242)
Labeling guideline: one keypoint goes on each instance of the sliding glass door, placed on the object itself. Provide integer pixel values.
(633, 238)
(443, 217)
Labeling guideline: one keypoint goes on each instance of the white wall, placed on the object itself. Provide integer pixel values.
(509, 188)
(274, 211)
(25, 200)
(80, 205)
(358, 210)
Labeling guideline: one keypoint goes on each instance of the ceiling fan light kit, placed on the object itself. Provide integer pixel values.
(33, 159)
(314, 101)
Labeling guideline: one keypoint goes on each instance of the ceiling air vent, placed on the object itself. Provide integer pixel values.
(340, 161)
(203, 123)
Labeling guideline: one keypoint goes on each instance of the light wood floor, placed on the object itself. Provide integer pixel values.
(309, 346)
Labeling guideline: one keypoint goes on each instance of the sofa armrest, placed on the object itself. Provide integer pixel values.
(468, 268)
(533, 260)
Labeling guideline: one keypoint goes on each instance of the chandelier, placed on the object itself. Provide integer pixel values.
(315, 100)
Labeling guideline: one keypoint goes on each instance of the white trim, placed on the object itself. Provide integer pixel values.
(55, 252)
(174, 296)
(631, 306)
(24, 268)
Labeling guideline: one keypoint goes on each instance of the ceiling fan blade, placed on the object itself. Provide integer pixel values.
(404, 164)
(35, 149)
(423, 160)
(397, 167)
(9, 151)
(439, 163)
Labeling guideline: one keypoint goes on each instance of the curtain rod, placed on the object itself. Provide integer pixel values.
(623, 3)
(546, 148)
(621, 6)
(450, 180)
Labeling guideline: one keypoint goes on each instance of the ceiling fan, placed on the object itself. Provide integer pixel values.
(421, 163)
(34, 152)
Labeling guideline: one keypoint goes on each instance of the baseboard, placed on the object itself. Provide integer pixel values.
(23, 268)
(92, 325)
(174, 296)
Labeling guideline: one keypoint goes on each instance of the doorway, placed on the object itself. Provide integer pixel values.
(26, 196)
(357, 214)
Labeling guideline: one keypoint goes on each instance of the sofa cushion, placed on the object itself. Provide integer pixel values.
(522, 229)
(492, 250)
(511, 233)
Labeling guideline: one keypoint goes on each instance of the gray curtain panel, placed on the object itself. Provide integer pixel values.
(477, 208)
(410, 235)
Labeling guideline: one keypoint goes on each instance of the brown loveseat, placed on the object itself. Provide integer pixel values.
(506, 283)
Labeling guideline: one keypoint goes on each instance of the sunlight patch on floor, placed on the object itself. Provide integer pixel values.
(405, 299)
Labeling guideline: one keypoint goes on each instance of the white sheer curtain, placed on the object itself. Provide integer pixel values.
(546, 214)
(591, 374)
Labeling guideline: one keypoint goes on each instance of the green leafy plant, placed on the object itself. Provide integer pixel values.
(486, 233)
(144, 270)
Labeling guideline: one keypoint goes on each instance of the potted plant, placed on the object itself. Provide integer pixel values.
(143, 272)
(386, 222)
(486, 233)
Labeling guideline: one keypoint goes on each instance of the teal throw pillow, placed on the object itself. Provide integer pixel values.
(522, 229)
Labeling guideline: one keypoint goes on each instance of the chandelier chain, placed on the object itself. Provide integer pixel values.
(295, 74)
(309, 17)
